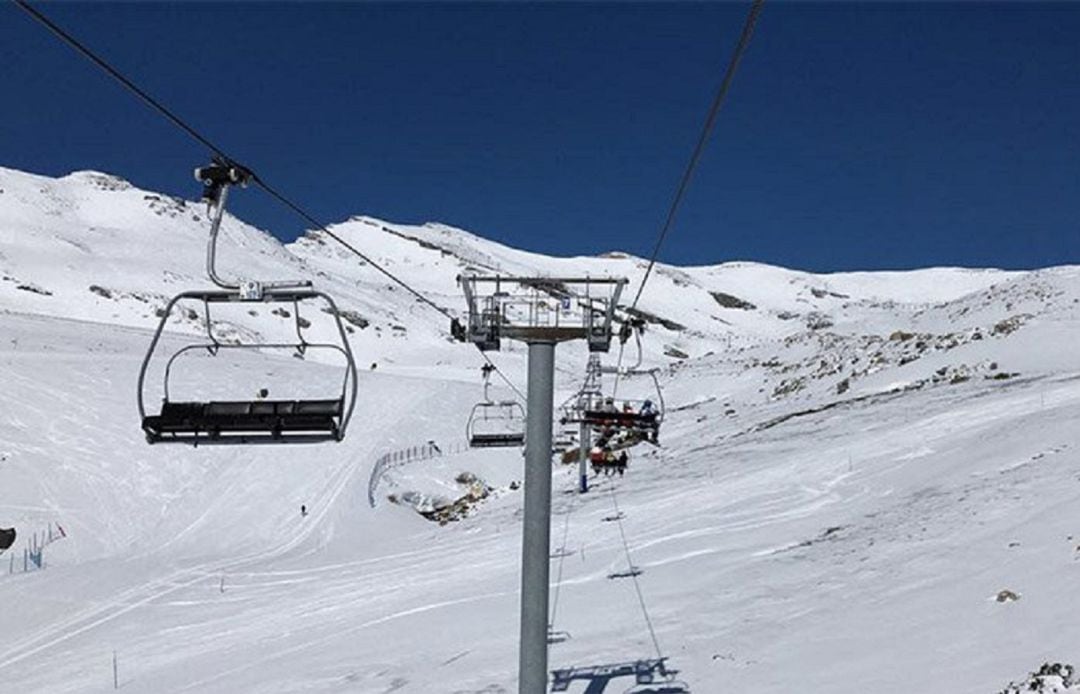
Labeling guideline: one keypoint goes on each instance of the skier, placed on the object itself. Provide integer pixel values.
(648, 419)
(303, 510)
(622, 462)
(596, 457)
(609, 462)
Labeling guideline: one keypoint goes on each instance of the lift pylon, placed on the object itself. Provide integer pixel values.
(541, 312)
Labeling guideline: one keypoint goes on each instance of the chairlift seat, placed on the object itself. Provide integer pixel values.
(274, 420)
(509, 440)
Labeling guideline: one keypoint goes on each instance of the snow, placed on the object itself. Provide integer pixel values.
(833, 508)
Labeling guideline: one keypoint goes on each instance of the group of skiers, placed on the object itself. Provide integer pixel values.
(647, 412)
(641, 423)
(604, 459)
(625, 428)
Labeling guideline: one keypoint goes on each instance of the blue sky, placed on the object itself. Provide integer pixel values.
(856, 136)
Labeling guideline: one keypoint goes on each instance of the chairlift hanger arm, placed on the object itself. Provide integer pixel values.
(217, 179)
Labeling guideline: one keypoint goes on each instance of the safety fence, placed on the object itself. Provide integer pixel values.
(33, 554)
(394, 459)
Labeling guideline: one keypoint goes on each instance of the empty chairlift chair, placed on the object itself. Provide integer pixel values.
(250, 420)
(495, 424)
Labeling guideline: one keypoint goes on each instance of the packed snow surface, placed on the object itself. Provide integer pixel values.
(867, 482)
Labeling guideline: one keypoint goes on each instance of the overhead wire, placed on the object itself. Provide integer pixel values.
(203, 140)
(507, 381)
(117, 75)
(183, 125)
(695, 156)
(680, 194)
(706, 131)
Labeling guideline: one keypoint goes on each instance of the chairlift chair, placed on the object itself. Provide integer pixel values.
(620, 414)
(494, 424)
(555, 636)
(244, 421)
(626, 414)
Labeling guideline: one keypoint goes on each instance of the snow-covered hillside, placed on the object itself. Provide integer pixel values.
(855, 468)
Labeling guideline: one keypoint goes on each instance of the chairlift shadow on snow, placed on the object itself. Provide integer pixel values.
(560, 552)
(629, 572)
(651, 676)
(555, 636)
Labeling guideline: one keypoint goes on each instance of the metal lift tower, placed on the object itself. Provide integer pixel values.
(541, 312)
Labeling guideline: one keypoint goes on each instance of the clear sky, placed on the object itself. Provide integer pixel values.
(856, 136)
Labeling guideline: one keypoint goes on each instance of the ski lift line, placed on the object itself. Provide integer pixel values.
(203, 140)
(710, 121)
(634, 574)
(118, 76)
(197, 136)
(507, 381)
(273, 192)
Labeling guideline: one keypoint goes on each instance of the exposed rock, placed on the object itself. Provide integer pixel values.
(1050, 678)
(729, 301)
(654, 319)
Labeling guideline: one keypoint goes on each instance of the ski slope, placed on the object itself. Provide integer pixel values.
(851, 471)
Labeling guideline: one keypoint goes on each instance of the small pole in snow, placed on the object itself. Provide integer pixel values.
(222, 583)
(115, 672)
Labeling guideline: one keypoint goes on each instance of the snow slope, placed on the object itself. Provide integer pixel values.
(853, 467)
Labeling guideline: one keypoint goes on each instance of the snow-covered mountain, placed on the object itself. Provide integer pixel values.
(855, 468)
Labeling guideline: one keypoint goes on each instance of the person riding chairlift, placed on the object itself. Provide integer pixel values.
(597, 458)
(622, 462)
